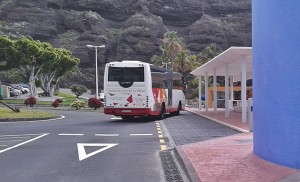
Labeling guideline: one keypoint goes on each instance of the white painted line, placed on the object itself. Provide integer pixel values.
(81, 151)
(22, 135)
(140, 134)
(70, 134)
(116, 118)
(106, 134)
(15, 146)
(12, 141)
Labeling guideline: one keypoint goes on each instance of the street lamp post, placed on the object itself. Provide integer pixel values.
(166, 64)
(96, 50)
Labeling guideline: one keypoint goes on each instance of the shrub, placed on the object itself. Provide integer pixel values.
(55, 104)
(78, 90)
(95, 103)
(1, 97)
(77, 104)
(30, 101)
(59, 100)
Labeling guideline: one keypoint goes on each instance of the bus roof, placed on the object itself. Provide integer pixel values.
(152, 67)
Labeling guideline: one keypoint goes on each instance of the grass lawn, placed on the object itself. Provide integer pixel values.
(68, 98)
(7, 113)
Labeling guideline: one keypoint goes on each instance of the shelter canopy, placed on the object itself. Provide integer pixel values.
(233, 57)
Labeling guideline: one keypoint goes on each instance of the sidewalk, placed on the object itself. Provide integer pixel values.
(230, 158)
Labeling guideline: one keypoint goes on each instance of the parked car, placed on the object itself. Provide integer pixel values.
(24, 90)
(14, 92)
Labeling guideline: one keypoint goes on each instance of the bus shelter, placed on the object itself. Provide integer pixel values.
(235, 64)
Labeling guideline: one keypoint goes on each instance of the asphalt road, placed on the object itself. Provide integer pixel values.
(91, 146)
(84, 146)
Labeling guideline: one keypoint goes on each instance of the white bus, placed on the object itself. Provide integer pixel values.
(134, 88)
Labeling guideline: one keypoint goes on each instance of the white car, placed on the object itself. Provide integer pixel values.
(15, 92)
(24, 90)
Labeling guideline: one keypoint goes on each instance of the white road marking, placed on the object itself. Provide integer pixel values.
(140, 134)
(15, 146)
(70, 134)
(106, 134)
(21, 135)
(81, 151)
(116, 118)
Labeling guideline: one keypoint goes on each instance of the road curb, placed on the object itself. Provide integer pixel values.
(29, 119)
(186, 164)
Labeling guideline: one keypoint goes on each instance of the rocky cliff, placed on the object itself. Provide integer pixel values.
(130, 29)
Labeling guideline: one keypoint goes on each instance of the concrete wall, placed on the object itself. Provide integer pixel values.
(276, 80)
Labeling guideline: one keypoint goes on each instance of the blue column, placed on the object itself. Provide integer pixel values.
(276, 81)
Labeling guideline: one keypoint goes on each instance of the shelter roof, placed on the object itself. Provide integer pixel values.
(233, 56)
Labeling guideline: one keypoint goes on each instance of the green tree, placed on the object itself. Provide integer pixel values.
(63, 63)
(185, 62)
(161, 60)
(210, 51)
(34, 55)
(78, 90)
(173, 45)
(9, 55)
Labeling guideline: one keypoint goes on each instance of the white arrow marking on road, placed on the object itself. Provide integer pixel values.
(81, 151)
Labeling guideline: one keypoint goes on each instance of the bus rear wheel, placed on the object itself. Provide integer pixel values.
(127, 117)
(178, 109)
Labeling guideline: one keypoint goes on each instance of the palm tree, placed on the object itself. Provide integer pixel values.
(211, 51)
(172, 44)
(160, 60)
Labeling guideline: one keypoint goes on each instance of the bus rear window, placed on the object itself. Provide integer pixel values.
(131, 74)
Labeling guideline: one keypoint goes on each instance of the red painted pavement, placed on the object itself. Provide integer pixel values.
(230, 158)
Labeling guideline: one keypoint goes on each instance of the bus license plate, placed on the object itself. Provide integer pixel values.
(126, 110)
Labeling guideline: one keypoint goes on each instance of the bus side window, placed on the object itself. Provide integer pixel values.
(156, 85)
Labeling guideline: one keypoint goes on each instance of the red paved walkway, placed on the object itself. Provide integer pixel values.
(230, 159)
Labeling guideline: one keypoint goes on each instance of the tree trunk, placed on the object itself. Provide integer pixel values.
(32, 83)
(53, 86)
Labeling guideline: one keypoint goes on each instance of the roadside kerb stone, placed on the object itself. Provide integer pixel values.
(29, 119)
